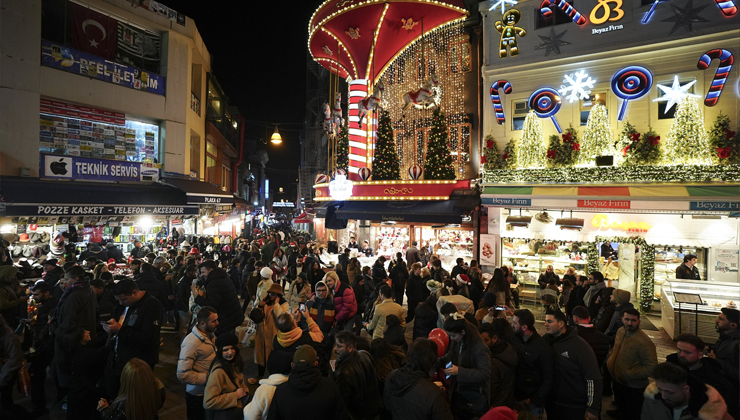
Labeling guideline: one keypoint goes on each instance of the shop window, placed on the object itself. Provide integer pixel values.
(211, 167)
(194, 156)
(458, 55)
(587, 104)
(558, 17)
(670, 114)
(521, 108)
(226, 178)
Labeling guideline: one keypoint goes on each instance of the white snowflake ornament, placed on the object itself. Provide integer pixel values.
(502, 4)
(579, 86)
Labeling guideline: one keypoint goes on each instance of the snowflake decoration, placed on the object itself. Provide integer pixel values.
(579, 86)
(502, 4)
(676, 93)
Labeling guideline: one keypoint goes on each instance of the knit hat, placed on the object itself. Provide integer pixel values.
(433, 286)
(733, 315)
(500, 413)
(462, 278)
(489, 299)
(23, 237)
(304, 355)
(621, 296)
(266, 273)
(276, 288)
(279, 362)
(226, 339)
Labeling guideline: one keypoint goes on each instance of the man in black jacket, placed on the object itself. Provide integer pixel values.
(378, 271)
(52, 272)
(114, 252)
(355, 376)
(534, 372)
(134, 330)
(219, 293)
(139, 250)
(598, 341)
(149, 282)
(344, 259)
(409, 394)
(43, 344)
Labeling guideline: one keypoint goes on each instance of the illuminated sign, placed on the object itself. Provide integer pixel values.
(340, 188)
(602, 221)
(606, 13)
(604, 204)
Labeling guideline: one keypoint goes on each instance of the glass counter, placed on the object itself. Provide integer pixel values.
(714, 297)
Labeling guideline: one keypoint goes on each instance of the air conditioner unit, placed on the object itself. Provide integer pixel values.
(519, 221)
(569, 224)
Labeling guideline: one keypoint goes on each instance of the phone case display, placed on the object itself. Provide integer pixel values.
(131, 233)
(714, 297)
(667, 259)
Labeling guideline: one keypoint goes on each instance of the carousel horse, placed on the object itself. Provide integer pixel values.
(337, 113)
(370, 103)
(328, 123)
(422, 97)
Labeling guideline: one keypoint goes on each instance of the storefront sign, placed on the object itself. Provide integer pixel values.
(340, 188)
(83, 210)
(79, 168)
(603, 204)
(77, 62)
(601, 221)
(209, 199)
(506, 202)
(714, 205)
(283, 204)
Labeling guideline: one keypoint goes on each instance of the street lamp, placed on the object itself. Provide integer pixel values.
(274, 139)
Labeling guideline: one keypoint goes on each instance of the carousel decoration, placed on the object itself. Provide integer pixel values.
(340, 172)
(364, 173)
(426, 97)
(321, 179)
(415, 172)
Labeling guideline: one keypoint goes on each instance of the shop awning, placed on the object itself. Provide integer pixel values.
(443, 212)
(201, 192)
(33, 197)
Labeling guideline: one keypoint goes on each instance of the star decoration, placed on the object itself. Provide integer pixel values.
(94, 43)
(686, 16)
(552, 43)
(676, 93)
(502, 4)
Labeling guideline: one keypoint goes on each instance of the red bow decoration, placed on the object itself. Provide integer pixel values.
(624, 151)
(635, 136)
(551, 153)
(576, 146)
(483, 159)
(729, 134)
(506, 155)
(568, 137)
(489, 144)
(724, 152)
(654, 140)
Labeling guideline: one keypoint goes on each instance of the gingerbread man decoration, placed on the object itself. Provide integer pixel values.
(509, 33)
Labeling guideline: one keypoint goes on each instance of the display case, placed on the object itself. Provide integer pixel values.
(667, 259)
(696, 318)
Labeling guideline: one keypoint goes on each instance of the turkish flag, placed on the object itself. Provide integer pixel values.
(93, 32)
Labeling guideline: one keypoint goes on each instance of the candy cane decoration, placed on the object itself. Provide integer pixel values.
(726, 60)
(496, 99)
(569, 10)
(727, 7)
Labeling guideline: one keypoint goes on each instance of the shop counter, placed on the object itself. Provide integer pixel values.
(714, 296)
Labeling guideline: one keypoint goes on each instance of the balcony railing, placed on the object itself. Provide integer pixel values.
(224, 125)
(194, 103)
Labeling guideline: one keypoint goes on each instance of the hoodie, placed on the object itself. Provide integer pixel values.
(503, 368)
(259, 407)
(307, 388)
(705, 403)
(410, 395)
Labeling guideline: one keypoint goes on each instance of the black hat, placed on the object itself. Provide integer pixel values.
(733, 315)
(51, 261)
(226, 339)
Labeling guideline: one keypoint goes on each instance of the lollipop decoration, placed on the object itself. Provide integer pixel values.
(322, 179)
(726, 59)
(569, 10)
(631, 82)
(415, 172)
(496, 99)
(727, 7)
(364, 173)
(545, 102)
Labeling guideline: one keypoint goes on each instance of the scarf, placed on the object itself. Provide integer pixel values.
(288, 338)
(68, 291)
(596, 288)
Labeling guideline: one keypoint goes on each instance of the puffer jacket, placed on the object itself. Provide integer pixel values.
(259, 407)
(221, 295)
(344, 302)
(727, 349)
(473, 368)
(705, 403)
(355, 378)
(534, 372)
(152, 285)
(503, 369)
(599, 342)
(410, 395)
(197, 351)
(297, 296)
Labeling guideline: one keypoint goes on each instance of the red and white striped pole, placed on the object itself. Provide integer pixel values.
(361, 144)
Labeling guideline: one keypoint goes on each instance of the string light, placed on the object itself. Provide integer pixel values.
(616, 174)
(687, 141)
(647, 264)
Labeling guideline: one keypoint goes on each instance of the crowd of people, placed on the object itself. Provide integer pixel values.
(330, 341)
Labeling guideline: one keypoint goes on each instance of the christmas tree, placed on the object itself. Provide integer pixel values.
(491, 157)
(438, 163)
(724, 143)
(531, 152)
(563, 150)
(342, 154)
(597, 138)
(508, 159)
(386, 165)
(687, 141)
(639, 149)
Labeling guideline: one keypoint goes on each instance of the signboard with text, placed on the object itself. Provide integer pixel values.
(604, 204)
(92, 210)
(89, 169)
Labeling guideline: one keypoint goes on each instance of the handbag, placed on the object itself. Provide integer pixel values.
(471, 400)
(257, 315)
(24, 380)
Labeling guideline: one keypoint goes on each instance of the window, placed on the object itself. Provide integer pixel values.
(194, 156)
(459, 136)
(558, 17)
(587, 104)
(458, 55)
(211, 167)
(226, 178)
(521, 109)
(196, 80)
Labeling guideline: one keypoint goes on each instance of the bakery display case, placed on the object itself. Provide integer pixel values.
(667, 259)
(695, 317)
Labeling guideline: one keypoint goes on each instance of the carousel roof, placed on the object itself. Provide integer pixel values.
(361, 38)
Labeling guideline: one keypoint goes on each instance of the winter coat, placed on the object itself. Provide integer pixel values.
(251, 284)
(220, 391)
(416, 289)
(114, 252)
(221, 295)
(604, 317)
(353, 271)
(410, 395)
(534, 372)
(152, 285)
(575, 299)
(355, 378)
(298, 294)
(705, 403)
(503, 370)
(344, 302)
(616, 321)
(322, 311)
(343, 260)
(139, 253)
(117, 409)
(259, 407)
(684, 272)
(139, 334)
(197, 351)
(399, 274)
(306, 388)
(711, 373)
(79, 309)
(727, 349)
(52, 277)
(262, 287)
(382, 310)
(267, 330)
(395, 334)
(412, 256)
(632, 359)
(599, 342)
(425, 320)
(378, 272)
(578, 382)
(290, 341)
(11, 356)
(182, 293)
(474, 368)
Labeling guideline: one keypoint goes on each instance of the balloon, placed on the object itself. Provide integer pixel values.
(339, 171)
(415, 172)
(364, 173)
(441, 335)
(441, 349)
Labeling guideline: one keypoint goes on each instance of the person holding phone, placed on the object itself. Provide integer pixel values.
(273, 306)
(299, 291)
(290, 335)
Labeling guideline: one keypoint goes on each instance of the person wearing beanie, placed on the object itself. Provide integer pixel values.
(273, 305)
(726, 349)
(265, 283)
(279, 366)
(434, 287)
(225, 393)
(621, 299)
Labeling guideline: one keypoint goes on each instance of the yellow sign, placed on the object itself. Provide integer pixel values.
(602, 221)
(607, 12)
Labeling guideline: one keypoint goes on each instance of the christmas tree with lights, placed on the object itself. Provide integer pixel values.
(639, 149)
(508, 159)
(597, 138)
(438, 163)
(687, 141)
(491, 157)
(724, 143)
(531, 151)
(342, 153)
(386, 165)
(563, 150)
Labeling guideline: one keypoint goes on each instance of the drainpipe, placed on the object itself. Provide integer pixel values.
(235, 171)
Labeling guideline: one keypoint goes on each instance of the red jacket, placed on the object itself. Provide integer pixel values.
(344, 302)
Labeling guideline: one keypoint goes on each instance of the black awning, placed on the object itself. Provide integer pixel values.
(443, 212)
(31, 197)
(201, 192)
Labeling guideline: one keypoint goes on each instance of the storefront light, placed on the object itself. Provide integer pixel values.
(146, 222)
(6, 229)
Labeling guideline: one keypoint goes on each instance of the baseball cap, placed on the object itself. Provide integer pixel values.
(304, 355)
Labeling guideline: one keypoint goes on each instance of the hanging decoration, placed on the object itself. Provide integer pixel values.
(629, 83)
(328, 122)
(438, 164)
(340, 172)
(386, 162)
(531, 151)
(502, 5)
(726, 59)
(685, 17)
(415, 172)
(426, 97)
(727, 7)
(509, 31)
(354, 33)
(687, 141)
(675, 93)
(724, 143)
(321, 179)
(552, 43)
(327, 50)
(579, 86)
(496, 99)
(575, 15)
(597, 138)
(364, 173)
(408, 24)
(545, 102)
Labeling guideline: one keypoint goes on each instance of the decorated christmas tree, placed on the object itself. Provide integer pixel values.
(639, 149)
(531, 152)
(508, 159)
(687, 141)
(724, 143)
(491, 159)
(563, 150)
(343, 147)
(597, 138)
(386, 165)
(438, 163)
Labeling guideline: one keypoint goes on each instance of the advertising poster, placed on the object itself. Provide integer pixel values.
(489, 245)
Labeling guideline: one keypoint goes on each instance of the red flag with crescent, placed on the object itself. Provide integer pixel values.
(93, 32)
